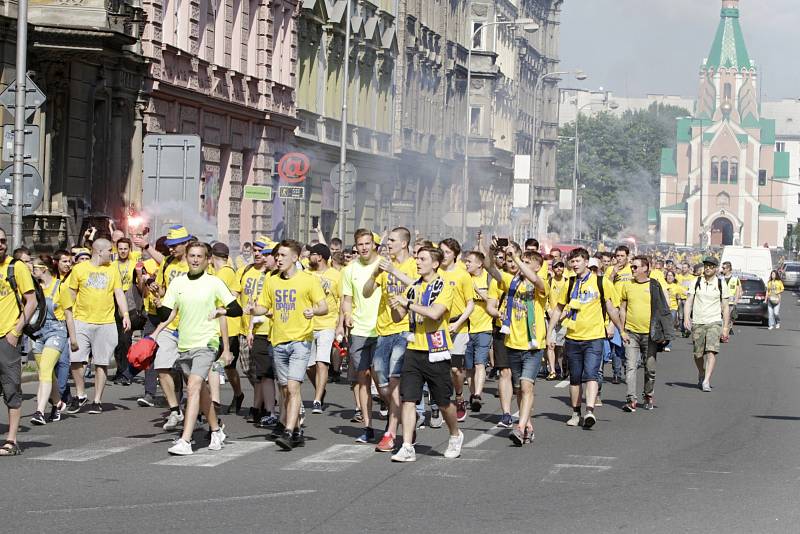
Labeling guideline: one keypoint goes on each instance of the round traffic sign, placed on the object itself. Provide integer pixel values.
(32, 190)
(293, 167)
(350, 176)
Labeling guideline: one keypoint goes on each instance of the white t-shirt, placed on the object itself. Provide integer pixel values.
(706, 308)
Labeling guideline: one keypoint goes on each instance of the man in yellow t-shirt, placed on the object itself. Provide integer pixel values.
(220, 254)
(525, 330)
(428, 304)
(172, 267)
(95, 285)
(129, 276)
(12, 321)
(325, 326)
(293, 298)
(463, 305)
(619, 273)
(635, 314)
(391, 277)
(583, 312)
(480, 328)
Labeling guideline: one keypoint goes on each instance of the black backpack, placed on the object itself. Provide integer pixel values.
(36, 322)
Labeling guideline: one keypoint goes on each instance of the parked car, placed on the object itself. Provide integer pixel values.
(753, 304)
(790, 274)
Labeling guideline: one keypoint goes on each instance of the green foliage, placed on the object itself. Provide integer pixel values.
(792, 241)
(619, 165)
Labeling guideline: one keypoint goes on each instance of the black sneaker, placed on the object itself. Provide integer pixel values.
(236, 404)
(147, 401)
(298, 439)
(55, 412)
(475, 403)
(286, 441)
(76, 404)
(38, 419)
(357, 417)
(95, 408)
(278, 430)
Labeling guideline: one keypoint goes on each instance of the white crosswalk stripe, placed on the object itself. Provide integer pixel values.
(95, 450)
(333, 459)
(206, 458)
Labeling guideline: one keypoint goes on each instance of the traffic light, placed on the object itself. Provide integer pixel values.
(789, 228)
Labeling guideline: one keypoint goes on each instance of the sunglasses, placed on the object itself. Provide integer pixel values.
(634, 267)
(2, 241)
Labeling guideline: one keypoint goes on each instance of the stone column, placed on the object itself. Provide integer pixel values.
(133, 191)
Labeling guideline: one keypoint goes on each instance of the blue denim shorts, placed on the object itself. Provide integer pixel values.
(525, 365)
(291, 361)
(585, 358)
(478, 349)
(52, 335)
(388, 359)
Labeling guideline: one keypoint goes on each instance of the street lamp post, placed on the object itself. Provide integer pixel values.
(528, 25)
(579, 75)
(343, 148)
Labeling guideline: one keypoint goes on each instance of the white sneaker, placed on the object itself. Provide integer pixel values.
(405, 454)
(575, 420)
(777, 326)
(769, 328)
(454, 446)
(217, 440)
(181, 447)
(174, 419)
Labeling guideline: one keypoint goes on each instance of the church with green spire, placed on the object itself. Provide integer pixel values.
(724, 184)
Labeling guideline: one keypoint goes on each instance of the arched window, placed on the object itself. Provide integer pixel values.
(723, 171)
(734, 171)
(714, 170)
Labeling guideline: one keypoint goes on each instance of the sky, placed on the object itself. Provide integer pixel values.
(639, 47)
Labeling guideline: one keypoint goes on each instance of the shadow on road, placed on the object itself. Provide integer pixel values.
(681, 385)
(779, 417)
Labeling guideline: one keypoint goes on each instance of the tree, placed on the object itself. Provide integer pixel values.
(619, 169)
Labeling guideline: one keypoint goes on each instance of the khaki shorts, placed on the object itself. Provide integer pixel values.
(167, 353)
(99, 340)
(197, 361)
(705, 338)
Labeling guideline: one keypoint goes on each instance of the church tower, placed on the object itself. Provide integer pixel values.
(724, 183)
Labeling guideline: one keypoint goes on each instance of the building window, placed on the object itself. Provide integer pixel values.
(798, 198)
(734, 172)
(479, 38)
(780, 146)
(714, 170)
(723, 200)
(723, 172)
(727, 91)
(762, 177)
(475, 120)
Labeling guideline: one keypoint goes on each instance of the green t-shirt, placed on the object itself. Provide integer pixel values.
(365, 311)
(196, 300)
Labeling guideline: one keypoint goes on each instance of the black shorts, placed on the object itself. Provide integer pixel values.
(263, 360)
(458, 361)
(233, 341)
(417, 371)
(501, 360)
(10, 374)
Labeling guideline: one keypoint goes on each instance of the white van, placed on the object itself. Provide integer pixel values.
(757, 261)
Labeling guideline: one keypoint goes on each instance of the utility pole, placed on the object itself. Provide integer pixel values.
(19, 120)
(343, 150)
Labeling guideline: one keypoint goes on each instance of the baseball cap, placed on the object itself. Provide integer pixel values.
(711, 260)
(220, 250)
(594, 262)
(558, 264)
(176, 235)
(321, 250)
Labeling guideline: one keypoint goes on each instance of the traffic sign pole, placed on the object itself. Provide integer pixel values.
(19, 119)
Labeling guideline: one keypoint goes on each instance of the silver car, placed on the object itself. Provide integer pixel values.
(790, 274)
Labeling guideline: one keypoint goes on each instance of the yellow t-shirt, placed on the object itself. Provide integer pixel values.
(95, 286)
(61, 297)
(774, 287)
(518, 336)
(587, 323)
(166, 275)
(496, 293)
(9, 307)
(676, 292)
(623, 275)
(658, 274)
(391, 286)
(252, 283)
(438, 330)
(151, 268)
(331, 281)
(637, 296)
(287, 298)
(126, 272)
(231, 281)
(480, 320)
(686, 280)
(461, 283)
(555, 290)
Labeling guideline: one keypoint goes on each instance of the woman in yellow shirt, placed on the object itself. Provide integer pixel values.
(774, 290)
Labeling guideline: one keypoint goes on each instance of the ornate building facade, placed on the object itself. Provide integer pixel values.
(725, 183)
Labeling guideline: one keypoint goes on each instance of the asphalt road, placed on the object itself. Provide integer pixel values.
(700, 462)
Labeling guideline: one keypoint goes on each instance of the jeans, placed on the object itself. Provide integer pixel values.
(387, 361)
(585, 358)
(124, 340)
(640, 344)
(774, 311)
(150, 374)
(62, 373)
(525, 365)
(478, 349)
(291, 361)
(618, 360)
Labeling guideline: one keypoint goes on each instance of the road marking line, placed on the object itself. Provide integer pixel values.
(215, 500)
(439, 466)
(95, 450)
(334, 458)
(592, 460)
(578, 470)
(486, 436)
(207, 458)
(562, 384)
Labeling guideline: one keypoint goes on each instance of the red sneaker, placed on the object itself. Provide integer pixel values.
(461, 411)
(386, 444)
